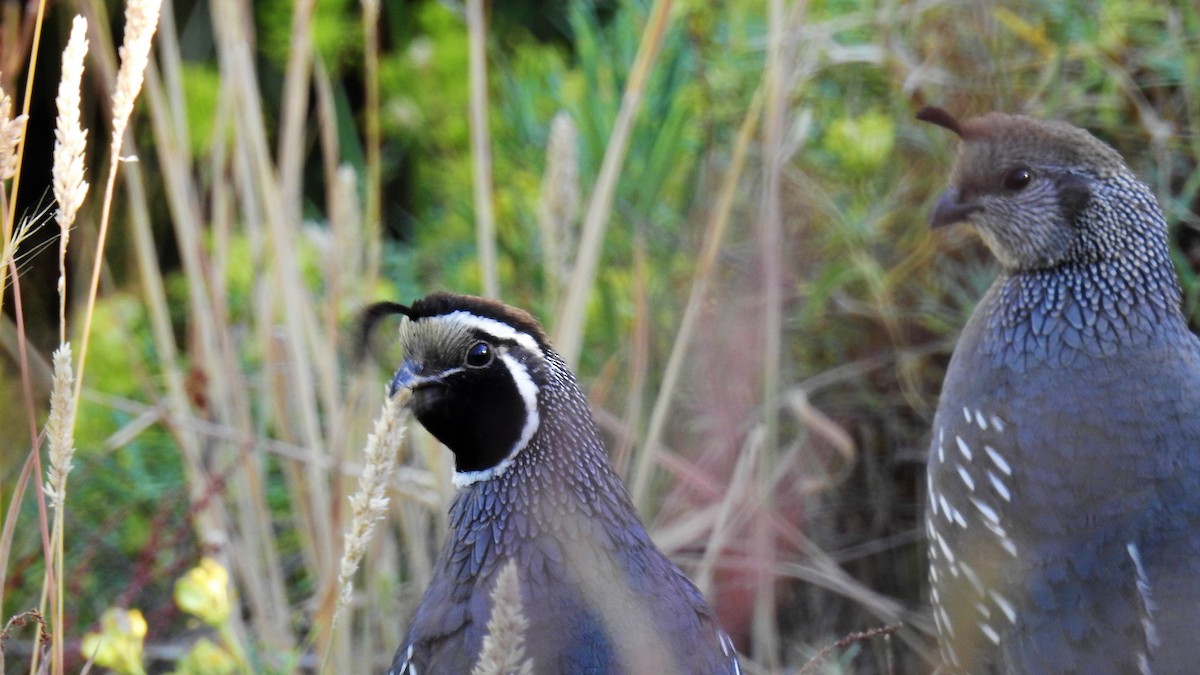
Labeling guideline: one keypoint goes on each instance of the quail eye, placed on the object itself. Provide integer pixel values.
(479, 355)
(1017, 179)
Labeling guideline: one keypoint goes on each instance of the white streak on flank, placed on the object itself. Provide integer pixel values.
(945, 550)
(497, 329)
(969, 573)
(933, 502)
(945, 506)
(981, 420)
(1005, 542)
(958, 518)
(1004, 605)
(965, 476)
(1000, 487)
(964, 449)
(949, 627)
(967, 414)
(728, 650)
(998, 460)
(998, 423)
(949, 651)
(529, 393)
(1143, 663)
(1143, 587)
(941, 445)
(407, 666)
(990, 632)
(983, 610)
(987, 511)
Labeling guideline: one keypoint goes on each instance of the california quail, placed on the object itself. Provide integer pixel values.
(535, 486)
(1064, 471)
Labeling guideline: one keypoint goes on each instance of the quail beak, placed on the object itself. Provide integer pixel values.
(409, 377)
(950, 209)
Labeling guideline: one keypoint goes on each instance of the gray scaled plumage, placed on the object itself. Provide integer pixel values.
(535, 487)
(1063, 509)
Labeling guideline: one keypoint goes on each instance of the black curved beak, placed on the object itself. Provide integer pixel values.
(950, 209)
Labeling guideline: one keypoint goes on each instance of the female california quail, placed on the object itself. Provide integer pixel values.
(535, 486)
(1064, 473)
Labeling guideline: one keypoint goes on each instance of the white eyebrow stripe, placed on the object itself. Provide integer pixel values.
(498, 329)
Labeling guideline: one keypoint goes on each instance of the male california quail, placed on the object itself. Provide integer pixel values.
(1064, 469)
(535, 486)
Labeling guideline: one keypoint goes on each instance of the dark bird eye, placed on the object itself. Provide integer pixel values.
(479, 355)
(1017, 179)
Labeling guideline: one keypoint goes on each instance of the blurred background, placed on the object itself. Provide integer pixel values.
(718, 210)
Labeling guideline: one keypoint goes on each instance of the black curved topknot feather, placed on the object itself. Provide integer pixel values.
(938, 116)
(368, 319)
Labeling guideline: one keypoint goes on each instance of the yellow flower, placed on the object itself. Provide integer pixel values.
(207, 658)
(118, 645)
(204, 592)
(861, 144)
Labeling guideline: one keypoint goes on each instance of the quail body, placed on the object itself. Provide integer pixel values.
(1063, 515)
(535, 487)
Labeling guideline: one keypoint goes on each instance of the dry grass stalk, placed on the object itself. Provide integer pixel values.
(572, 310)
(558, 200)
(481, 149)
(59, 428)
(60, 435)
(858, 636)
(370, 502)
(141, 20)
(8, 252)
(503, 651)
(70, 143)
(11, 131)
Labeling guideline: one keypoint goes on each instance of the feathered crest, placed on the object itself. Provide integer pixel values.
(368, 319)
(938, 116)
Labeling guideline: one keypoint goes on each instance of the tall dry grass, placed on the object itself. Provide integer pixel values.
(775, 382)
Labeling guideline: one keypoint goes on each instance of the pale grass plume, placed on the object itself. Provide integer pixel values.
(141, 20)
(558, 200)
(8, 251)
(60, 428)
(503, 651)
(70, 143)
(11, 131)
(369, 504)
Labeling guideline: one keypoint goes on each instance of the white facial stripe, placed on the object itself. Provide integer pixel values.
(529, 393)
(502, 331)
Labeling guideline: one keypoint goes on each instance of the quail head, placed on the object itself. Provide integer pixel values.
(535, 487)
(1063, 514)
